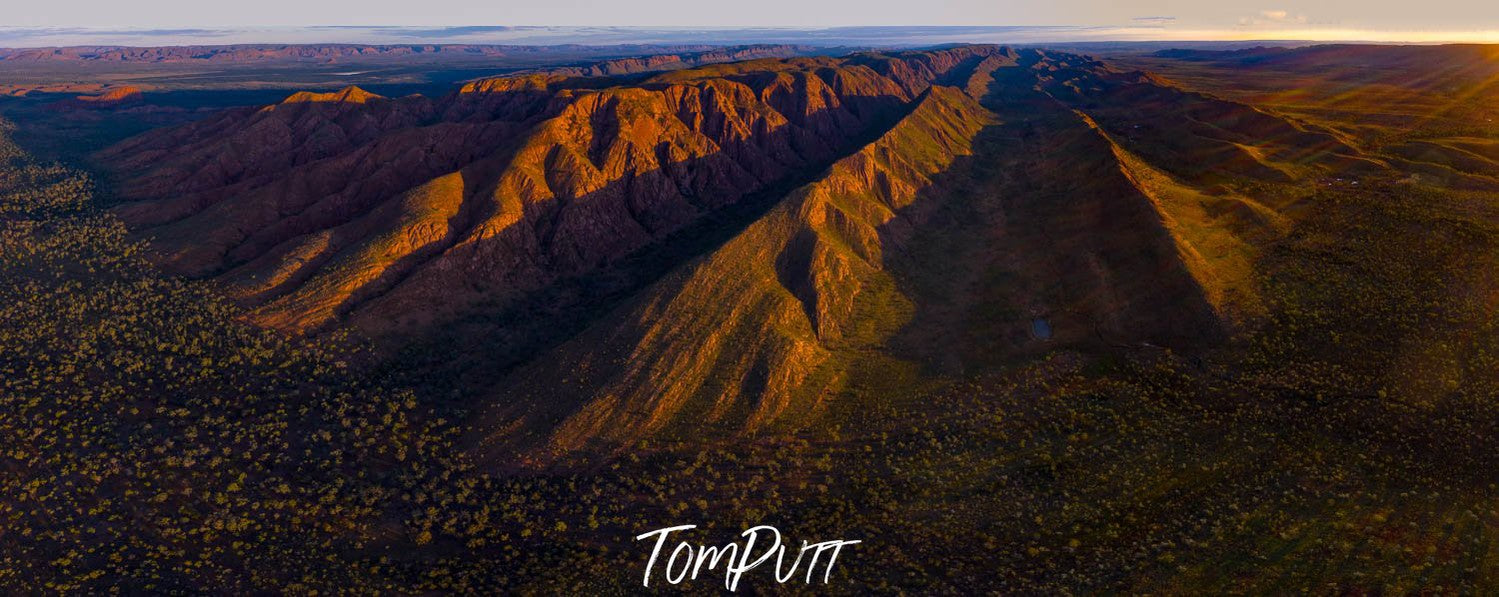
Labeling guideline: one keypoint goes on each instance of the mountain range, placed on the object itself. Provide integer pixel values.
(345, 53)
(1165, 320)
(949, 209)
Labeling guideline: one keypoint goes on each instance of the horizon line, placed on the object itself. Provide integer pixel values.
(34, 37)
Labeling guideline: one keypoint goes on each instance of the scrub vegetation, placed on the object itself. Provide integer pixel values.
(1336, 435)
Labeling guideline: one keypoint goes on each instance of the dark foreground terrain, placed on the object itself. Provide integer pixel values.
(1019, 320)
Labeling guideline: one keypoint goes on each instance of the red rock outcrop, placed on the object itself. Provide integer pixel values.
(396, 214)
(1104, 200)
(663, 62)
(107, 98)
(889, 259)
(114, 95)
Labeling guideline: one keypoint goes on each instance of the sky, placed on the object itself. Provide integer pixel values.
(138, 22)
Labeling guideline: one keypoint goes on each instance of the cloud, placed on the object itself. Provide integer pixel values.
(1273, 17)
(1154, 20)
(445, 32)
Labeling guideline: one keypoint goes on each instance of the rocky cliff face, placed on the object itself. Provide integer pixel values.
(782, 294)
(937, 247)
(392, 214)
(925, 214)
(675, 61)
(108, 98)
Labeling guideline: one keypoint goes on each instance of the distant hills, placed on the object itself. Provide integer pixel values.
(327, 53)
(558, 36)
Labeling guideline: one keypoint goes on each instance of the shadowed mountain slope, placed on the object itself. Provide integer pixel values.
(938, 249)
(1028, 322)
(1428, 110)
(814, 229)
(393, 213)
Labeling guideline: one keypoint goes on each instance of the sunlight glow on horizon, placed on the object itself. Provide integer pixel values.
(30, 37)
(1301, 34)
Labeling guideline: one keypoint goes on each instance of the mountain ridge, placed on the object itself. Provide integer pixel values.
(334, 52)
(758, 336)
(568, 143)
(1054, 184)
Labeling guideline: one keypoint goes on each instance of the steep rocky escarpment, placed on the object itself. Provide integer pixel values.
(394, 214)
(936, 249)
(810, 228)
(107, 98)
(745, 333)
(674, 61)
(1023, 321)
